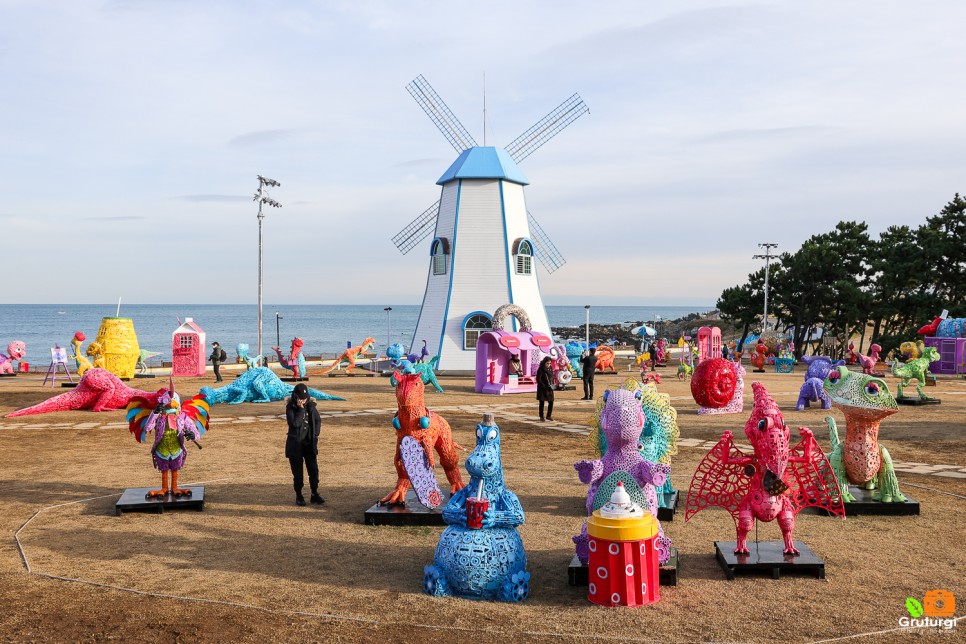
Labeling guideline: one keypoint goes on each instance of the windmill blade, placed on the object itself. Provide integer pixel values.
(546, 128)
(417, 230)
(544, 249)
(440, 114)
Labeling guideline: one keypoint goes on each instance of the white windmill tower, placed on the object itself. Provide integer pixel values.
(484, 238)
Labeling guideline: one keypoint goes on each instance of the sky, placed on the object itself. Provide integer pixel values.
(132, 131)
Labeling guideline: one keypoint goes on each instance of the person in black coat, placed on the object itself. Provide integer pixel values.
(589, 366)
(302, 441)
(545, 386)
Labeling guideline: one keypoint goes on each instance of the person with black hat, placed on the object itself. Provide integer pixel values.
(302, 442)
(217, 356)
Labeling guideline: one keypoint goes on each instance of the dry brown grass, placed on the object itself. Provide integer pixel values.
(253, 546)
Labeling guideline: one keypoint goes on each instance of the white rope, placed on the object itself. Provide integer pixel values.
(932, 489)
(889, 630)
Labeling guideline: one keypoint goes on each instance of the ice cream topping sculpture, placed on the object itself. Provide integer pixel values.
(624, 557)
(480, 554)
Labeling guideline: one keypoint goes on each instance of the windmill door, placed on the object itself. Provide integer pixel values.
(947, 356)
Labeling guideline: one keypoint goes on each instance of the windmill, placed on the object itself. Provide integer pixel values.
(484, 238)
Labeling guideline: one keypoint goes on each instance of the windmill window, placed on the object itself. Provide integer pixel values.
(439, 252)
(524, 258)
(473, 326)
(186, 341)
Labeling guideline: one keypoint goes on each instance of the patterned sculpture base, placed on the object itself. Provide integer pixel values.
(767, 556)
(577, 573)
(412, 513)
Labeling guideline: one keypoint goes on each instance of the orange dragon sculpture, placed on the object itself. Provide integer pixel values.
(429, 428)
(350, 355)
(605, 359)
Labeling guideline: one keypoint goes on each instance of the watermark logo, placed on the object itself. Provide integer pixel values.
(936, 610)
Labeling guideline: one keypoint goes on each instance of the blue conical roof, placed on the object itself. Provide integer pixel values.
(484, 163)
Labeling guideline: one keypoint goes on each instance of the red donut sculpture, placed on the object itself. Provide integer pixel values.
(713, 383)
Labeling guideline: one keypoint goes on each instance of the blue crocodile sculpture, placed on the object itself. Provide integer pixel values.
(489, 562)
(574, 351)
(397, 356)
(258, 385)
(813, 389)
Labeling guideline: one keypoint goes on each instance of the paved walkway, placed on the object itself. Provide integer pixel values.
(503, 410)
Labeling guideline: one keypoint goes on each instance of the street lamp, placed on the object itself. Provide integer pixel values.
(262, 198)
(388, 311)
(278, 338)
(767, 257)
(587, 325)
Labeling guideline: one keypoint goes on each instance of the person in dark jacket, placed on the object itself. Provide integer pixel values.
(217, 356)
(302, 442)
(589, 365)
(545, 386)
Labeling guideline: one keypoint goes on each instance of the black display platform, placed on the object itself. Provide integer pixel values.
(565, 388)
(7, 375)
(671, 501)
(135, 499)
(865, 504)
(294, 379)
(144, 375)
(68, 385)
(910, 400)
(413, 513)
(577, 572)
(768, 556)
(364, 374)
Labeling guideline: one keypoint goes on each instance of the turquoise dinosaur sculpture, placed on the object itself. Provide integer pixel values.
(860, 460)
(250, 362)
(258, 385)
(424, 369)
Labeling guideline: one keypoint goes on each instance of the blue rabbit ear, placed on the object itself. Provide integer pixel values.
(638, 394)
(606, 395)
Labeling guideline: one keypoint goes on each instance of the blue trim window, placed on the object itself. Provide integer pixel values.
(475, 325)
(525, 258)
(439, 257)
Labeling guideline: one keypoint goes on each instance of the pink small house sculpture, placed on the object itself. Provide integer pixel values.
(709, 343)
(188, 350)
(493, 352)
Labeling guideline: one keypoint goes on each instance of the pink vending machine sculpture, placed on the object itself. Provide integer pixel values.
(623, 564)
(188, 350)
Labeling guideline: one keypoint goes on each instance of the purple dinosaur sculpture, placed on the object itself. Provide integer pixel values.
(814, 388)
(621, 420)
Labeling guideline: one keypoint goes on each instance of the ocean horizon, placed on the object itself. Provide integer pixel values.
(325, 328)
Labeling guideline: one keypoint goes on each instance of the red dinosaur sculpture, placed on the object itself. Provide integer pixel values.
(870, 361)
(98, 390)
(429, 428)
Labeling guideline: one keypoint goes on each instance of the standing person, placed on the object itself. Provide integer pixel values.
(589, 365)
(545, 386)
(217, 357)
(302, 442)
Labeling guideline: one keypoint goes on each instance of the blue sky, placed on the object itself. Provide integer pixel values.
(132, 131)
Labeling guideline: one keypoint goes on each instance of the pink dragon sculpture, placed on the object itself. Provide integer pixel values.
(16, 350)
(622, 419)
(870, 361)
(295, 360)
(98, 390)
(773, 483)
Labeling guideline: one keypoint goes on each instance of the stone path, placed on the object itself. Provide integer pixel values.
(503, 410)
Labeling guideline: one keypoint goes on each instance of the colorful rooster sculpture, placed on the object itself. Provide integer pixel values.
(172, 423)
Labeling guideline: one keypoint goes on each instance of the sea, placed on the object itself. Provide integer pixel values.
(326, 329)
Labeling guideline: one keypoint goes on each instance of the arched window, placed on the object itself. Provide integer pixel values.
(473, 325)
(439, 250)
(524, 257)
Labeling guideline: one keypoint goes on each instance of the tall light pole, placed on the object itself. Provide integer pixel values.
(262, 198)
(278, 337)
(767, 257)
(587, 325)
(388, 311)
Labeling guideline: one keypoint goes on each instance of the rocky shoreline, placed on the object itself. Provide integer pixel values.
(621, 333)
